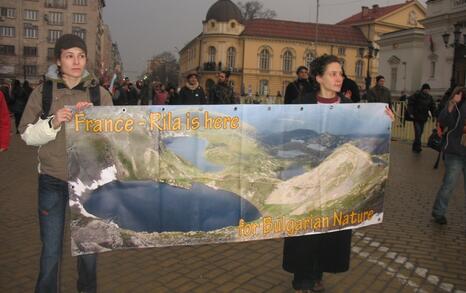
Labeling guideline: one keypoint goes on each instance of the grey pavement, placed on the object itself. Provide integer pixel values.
(407, 253)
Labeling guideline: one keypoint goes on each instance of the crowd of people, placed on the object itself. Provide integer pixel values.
(39, 118)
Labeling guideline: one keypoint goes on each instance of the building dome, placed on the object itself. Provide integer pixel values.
(224, 10)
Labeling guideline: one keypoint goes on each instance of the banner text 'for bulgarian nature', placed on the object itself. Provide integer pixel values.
(157, 176)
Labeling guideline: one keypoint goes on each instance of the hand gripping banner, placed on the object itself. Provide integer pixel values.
(158, 176)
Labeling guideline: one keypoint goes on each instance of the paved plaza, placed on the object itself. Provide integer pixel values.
(407, 253)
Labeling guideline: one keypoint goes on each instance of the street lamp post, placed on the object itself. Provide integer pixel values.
(372, 53)
(455, 45)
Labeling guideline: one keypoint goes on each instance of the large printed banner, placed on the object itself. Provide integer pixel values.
(157, 176)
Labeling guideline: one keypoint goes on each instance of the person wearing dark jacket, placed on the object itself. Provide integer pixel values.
(350, 89)
(308, 257)
(453, 120)
(20, 98)
(173, 96)
(419, 105)
(192, 93)
(300, 87)
(222, 92)
(379, 93)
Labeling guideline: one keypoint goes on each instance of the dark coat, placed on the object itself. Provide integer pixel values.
(455, 128)
(329, 252)
(379, 94)
(221, 94)
(192, 97)
(350, 85)
(419, 106)
(298, 88)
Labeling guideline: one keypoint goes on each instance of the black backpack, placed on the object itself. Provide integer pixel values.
(47, 97)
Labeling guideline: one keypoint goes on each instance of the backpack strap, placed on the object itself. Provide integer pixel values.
(94, 92)
(47, 97)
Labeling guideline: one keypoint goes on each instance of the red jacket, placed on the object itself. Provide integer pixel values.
(4, 123)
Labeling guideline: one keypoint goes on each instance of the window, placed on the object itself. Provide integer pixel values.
(212, 53)
(233, 25)
(30, 70)
(432, 69)
(31, 14)
(80, 32)
(308, 58)
(231, 57)
(359, 68)
(30, 51)
(31, 31)
(79, 18)
(264, 60)
(360, 53)
(341, 51)
(7, 31)
(55, 18)
(394, 77)
(80, 2)
(50, 53)
(264, 87)
(7, 50)
(55, 3)
(54, 35)
(8, 12)
(288, 62)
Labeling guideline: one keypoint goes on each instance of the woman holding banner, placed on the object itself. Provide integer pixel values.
(67, 83)
(308, 257)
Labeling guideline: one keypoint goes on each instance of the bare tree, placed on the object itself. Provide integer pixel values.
(255, 9)
(166, 68)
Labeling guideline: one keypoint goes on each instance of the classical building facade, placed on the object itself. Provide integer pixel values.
(440, 60)
(29, 29)
(401, 60)
(263, 54)
(412, 57)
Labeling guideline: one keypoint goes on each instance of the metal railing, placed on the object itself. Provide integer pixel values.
(404, 130)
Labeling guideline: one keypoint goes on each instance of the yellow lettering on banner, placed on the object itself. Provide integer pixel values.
(353, 218)
(224, 122)
(102, 125)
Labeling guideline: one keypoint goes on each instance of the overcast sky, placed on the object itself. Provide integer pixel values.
(145, 28)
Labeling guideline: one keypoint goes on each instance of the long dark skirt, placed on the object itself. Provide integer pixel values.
(329, 252)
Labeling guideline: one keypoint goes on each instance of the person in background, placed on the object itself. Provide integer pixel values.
(173, 96)
(159, 94)
(300, 87)
(379, 93)
(4, 124)
(453, 119)
(350, 89)
(419, 106)
(222, 92)
(71, 84)
(192, 93)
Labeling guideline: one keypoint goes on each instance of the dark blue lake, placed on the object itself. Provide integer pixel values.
(291, 172)
(192, 149)
(159, 207)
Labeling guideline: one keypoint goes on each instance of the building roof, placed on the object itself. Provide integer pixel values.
(373, 13)
(224, 10)
(328, 33)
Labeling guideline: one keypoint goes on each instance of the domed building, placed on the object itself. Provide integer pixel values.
(263, 54)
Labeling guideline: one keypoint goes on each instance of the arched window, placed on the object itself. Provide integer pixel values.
(212, 53)
(308, 58)
(359, 68)
(231, 58)
(287, 62)
(264, 60)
